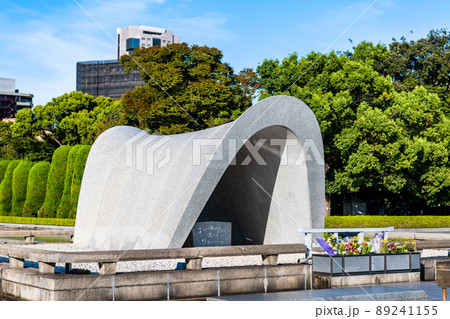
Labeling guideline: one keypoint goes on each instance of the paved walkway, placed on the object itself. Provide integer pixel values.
(423, 230)
(397, 291)
(418, 233)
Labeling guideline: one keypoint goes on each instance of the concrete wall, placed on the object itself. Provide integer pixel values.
(328, 282)
(428, 265)
(7, 85)
(28, 284)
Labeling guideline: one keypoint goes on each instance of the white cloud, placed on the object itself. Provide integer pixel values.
(51, 60)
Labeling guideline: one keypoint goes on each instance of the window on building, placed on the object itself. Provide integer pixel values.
(132, 43)
(118, 45)
(150, 32)
(157, 42)
(164, 41)
(168, 42)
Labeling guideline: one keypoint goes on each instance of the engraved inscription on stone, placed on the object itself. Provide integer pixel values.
(211, 234)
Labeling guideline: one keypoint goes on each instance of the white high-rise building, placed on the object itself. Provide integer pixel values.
(140, 36)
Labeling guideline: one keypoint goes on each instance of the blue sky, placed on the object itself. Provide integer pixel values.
(43, 40)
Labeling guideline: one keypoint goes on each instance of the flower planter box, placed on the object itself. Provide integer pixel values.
(343, 265)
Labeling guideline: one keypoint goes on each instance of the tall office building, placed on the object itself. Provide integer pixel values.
(11, 100)
(140, 36)
(106, 78)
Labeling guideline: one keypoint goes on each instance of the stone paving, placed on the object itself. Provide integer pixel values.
(385, 292)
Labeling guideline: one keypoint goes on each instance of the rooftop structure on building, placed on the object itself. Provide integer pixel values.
(107, 77)
(132, 37)
(11, 101)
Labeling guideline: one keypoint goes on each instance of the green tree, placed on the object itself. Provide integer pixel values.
(6, 189)
(3, 167)
(7, 150)
(84, 126)
(78, 170)
(19, 187)
(421, 116)
(65, 206)
(389, 149)
(69, 119)
(26, 143)
(424, 62)
(332, 86)
(36, 188)
(187, 88)
(401, 153)
(55, 182)
(375, 55)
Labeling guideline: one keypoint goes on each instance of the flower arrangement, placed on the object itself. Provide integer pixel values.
(351, 246)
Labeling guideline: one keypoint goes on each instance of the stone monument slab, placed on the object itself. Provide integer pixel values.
(211, 233)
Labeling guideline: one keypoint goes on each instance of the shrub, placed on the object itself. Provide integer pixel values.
(19, 187)
(3, 167)
(37, 221)
(36, 187)
(65, 206)
(80, 163)
(55, 182)
(6, 189)
(398, 222)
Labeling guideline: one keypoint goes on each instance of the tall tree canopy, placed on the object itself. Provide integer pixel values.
(187, 88)
(423, 62)
(385, 143)
(69, 119)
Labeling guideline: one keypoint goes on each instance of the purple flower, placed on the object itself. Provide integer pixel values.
(325, 246)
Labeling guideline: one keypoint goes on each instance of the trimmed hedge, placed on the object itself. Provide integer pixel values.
(399, 222)
(37, 221)
(36, 188)
(6, 189)
(65, 206)
(3, 167)
(19, 187)
(80, 163)
(55, 182)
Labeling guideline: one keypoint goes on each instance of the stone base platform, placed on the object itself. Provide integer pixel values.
(29, 284)
(429, 267)
(327, 282)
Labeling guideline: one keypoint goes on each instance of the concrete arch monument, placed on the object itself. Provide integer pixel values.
(264, 173)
